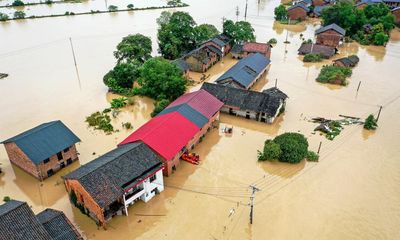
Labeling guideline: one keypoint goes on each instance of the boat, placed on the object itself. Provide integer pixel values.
(191, 158)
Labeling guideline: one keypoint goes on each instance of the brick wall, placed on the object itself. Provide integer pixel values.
(19, 158)
(329, 38)
(297, 13)
(55, 164)
(397, 16)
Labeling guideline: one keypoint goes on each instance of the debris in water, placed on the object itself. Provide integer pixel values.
(332, 128)
(3, 75)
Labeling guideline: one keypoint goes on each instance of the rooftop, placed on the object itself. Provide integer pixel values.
(332, 26)
(256, 47)
(188, 112)
(325, 51)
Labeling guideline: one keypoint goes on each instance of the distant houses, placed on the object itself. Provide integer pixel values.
(18, 222)
(106, 186)
(43, 150)
(261, 106)
(240, 51)
(331, 35)
(246, 72)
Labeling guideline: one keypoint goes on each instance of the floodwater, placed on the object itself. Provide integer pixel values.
(352, 193)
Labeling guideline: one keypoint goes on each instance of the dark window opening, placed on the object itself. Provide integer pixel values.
(46, 160)
(59, 156)
(69, 161)
(50, 172)
(153, 178)
(66, 150)
(174, 168)
(62, 165)
(247, 115)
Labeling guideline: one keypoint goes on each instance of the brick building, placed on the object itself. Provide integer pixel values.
(246, 72)
(106, 186)
(179, 127)
(203, 58)
(240, 51)
(221, 42)
(18, 222)
(331, 35)
(43, 150)
(396, 13)
(298, 12)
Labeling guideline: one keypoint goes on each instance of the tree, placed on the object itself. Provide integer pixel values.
(112, 8)
(239, 31)
(3, 17)
(381, 39)
(272, 151)
(204, 32)
(122, 76)
(18, 3)
(19, 15)
(370, 123)
(281, 13)
(177, 35)
(160, 79)
(133, 47)
(159, 106)
(164, 18)
(294, 147)
(130, 6)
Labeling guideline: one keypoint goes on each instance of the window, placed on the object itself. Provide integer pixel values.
(66, 150)
(59, 156)
(46, 160)
(69, 161)
(153, 178)
(50, 172)
(62, 165)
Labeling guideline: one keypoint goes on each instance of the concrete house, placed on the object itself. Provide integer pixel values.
(43, 150)
(179, 127)
(298, 12)
(18, 222)
(246, 72)
(331, 35)
(240, 51)
(106, 186)
(261, 106)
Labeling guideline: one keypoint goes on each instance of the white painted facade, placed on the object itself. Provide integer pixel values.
(258, 116)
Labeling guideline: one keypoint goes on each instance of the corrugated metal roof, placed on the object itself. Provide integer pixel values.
(166, 134)
(201, 101)
(45, 140)
(332, 26)
(188, 112)
(246, 70)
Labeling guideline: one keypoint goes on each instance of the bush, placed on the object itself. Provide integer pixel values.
(273, 41)
(127, 125)
(6, 199)
(281, 13)
(381, 39)
(293, 146)
(18, 3)
(370, 123)
(312, 57)
(159, 106)
(100, 121)
(112, 8)
(3, 17)
(19, 15)
(49, 2)
(272, 151)
(312, 156)
(334, 75)
(119, 102)
(130, 6)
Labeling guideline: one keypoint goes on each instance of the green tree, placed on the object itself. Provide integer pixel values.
(238, 31)
(370, 123)
(3, 17)
(18, 3)
(381, 39)
(122, 76)
(334, 75)
(281, 13)
(6, 199)
(159, 106)
(294, 147)
(272, 151)
(204, 32)
(112, 8)
(130, 6)
(164, 18)
(160, 79)
(133, 47)
(19, 14)
(177, 35)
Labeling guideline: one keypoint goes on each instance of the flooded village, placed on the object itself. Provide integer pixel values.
(192, 171)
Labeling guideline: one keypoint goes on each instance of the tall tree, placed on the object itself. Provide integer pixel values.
(176, 36)
(204, 32)
(134, 47)
(280, 13)
(122, 76)
(239, 31)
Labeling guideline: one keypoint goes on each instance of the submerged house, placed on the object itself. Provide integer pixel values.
(43, 150)
(178, 128)
(298, 12)
(246, 72)
(203, 58)
(350, 61)
(106, 186)
(331, 35)
(18, 222)
(324, 51)
(240, 51)
(261, 106)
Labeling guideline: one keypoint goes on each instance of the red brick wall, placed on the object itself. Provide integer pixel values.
(318, 3)
(397, 16)
(297, 13)
(19, 158)
(329, 38)
(55, 164)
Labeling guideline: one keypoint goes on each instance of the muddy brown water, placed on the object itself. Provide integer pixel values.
(352, 193)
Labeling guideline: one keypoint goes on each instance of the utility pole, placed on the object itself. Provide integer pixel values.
(319, 147)
(245, 13)
(76, 66)
(223, 21)
(254, 190)
(358, 88)
(276, 82)
(237, 13)
(379, 113)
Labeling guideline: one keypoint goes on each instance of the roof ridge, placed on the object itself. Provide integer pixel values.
(26, 133)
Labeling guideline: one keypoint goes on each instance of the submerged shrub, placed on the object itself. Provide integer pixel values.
(334, 75)
(370, 123)
(100, 121)
(312, 156)
(312, 57)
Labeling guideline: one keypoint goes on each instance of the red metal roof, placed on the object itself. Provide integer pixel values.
(256, 47)
(166, 134)
(201, 101)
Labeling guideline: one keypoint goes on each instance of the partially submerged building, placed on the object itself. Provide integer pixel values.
(261, 106)
(106, 186)
(203, 58)
(325, 51)
(246, 72)
(18, 222)
(350, 61)
(298, 12)
(183, 66)
(240, 51)
(179, 127)
(331, 35)
(221, 42)
(43, 150)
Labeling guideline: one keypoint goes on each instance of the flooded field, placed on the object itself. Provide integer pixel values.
(352, 193)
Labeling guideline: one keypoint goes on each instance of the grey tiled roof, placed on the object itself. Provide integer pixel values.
(44, 141)
(182, 64)
(323, 50)
(332, 26)
(237, 48)
(267, 102)
(106, 177)
(300, 5)
(58, 225)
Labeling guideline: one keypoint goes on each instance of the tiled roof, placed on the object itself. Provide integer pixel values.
(58, 225)
(332, 26)
(237, 48)
(254, 47)
(188, 112)
(166, 134)
(267, 102)
(325, 51)
(182, 64)
(106, 177)
(299, 6)
(218, 41)
(246, 70)
(396, 9)
(201, 101)
(44, 141)
(350, 61)
(318, 9)
(214, 49)
(369, 2)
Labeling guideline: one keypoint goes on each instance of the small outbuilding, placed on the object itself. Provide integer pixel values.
(325, 51)
(240, 51)
(331, 35)
(298, 12)
(43, 150)
(350, 61)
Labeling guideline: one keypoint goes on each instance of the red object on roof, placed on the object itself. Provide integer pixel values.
(201, 101)
(166, 134)
(256, 47)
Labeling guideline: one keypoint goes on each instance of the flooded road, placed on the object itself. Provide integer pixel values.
(352, 193)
